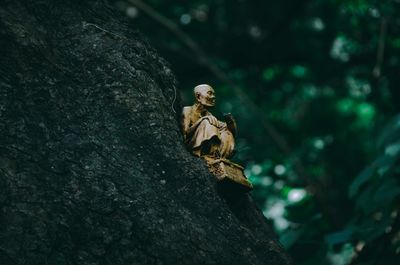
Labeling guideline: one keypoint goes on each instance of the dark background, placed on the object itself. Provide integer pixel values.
(314, 88)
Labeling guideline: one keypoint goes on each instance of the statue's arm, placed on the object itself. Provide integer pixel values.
(186, 121)
(187, 127)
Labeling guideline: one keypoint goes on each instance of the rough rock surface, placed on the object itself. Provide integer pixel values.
(92, 165)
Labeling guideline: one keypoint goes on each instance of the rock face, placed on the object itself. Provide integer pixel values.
(92, 165)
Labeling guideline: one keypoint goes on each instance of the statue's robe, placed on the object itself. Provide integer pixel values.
(205, 138)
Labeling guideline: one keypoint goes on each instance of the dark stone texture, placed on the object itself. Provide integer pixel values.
(92, 165)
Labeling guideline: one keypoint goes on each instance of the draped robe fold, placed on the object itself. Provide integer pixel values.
(205, 138)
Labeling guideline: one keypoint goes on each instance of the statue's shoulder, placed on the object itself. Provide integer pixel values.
(186, 110)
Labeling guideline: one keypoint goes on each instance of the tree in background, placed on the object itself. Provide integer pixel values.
(92, 164)
(313, 85)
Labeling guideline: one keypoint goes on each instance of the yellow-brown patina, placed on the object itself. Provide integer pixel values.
(213, 140)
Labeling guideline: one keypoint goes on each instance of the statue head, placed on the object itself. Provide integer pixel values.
(205, 95)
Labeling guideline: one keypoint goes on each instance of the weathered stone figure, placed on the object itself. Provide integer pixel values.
(204, 134)
(213, 140)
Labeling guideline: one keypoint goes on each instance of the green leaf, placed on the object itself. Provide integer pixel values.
(270, 73)
(390, 133)
(363, 201)
(346, 105)
(371, 229)
(340, 237)
(365, 175)
(381, 164)
(299, 71)
(387, 192)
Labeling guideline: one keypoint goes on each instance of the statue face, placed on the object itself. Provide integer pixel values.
(206, 96)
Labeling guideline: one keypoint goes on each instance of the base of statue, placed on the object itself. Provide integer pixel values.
(228, 173)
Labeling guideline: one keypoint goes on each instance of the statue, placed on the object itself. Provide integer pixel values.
(204, 134)
(213, 140)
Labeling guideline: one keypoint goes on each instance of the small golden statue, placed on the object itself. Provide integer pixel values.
(211, 139)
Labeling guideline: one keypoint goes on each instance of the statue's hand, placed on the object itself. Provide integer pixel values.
(211, 119)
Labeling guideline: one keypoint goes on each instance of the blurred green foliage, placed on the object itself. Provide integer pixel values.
(326, 75)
